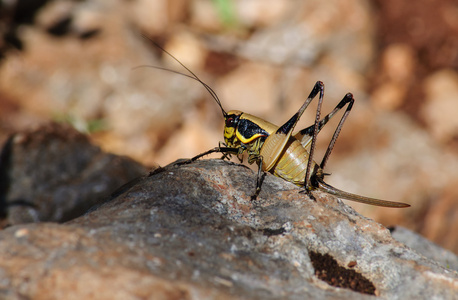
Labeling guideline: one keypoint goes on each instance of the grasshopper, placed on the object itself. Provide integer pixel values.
(277, 150)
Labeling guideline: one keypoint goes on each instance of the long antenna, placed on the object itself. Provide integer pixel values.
(192, 76)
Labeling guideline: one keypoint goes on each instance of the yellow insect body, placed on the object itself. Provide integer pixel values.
(292, 164)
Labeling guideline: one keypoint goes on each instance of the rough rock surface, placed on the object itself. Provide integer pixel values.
(191, 232)
(425, 247)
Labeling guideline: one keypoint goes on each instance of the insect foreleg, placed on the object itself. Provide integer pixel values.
(226, 155)
(225, 150)
(259, 180)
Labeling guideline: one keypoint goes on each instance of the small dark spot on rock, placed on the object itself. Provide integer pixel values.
(328, 270)
(246, 232)
(271, 232)
(352, 264)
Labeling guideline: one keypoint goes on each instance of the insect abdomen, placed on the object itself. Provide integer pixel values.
(292, 164)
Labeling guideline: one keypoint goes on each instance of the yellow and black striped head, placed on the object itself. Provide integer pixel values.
(241, 128)
(230, 128)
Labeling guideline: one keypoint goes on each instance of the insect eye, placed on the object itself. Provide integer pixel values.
(230, 122)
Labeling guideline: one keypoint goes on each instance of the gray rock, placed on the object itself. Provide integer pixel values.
(191, 232)
(425, 247)
(53, 173)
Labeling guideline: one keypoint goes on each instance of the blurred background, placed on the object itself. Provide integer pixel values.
(77, 62)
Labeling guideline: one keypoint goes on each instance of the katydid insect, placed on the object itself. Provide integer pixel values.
(277, 150)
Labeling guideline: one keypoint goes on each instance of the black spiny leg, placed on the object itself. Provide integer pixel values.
(259, 180)
(347, 99)
(223, 150)
(307, 183)
(305, 134)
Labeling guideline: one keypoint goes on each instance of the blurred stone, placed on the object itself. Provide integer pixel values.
(192, 232)
(440, 221)
(261, 13)
(54, 13)
(151, 16)
(314, 30)
(195, 137)
(204, 15)
(88, 20)
(425, 247)
(251, 88)
(398, 63)
(188, 48)
(441, 106)
(424, 27)
(53, 173)
(389, 96)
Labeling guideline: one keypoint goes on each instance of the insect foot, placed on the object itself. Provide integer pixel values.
(308, 193)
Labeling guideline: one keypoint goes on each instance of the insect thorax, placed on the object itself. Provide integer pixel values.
(243, 131)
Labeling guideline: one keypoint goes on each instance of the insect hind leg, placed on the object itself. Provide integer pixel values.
(304, 135)
(307, 183)
(348, 99)
(312, 183)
